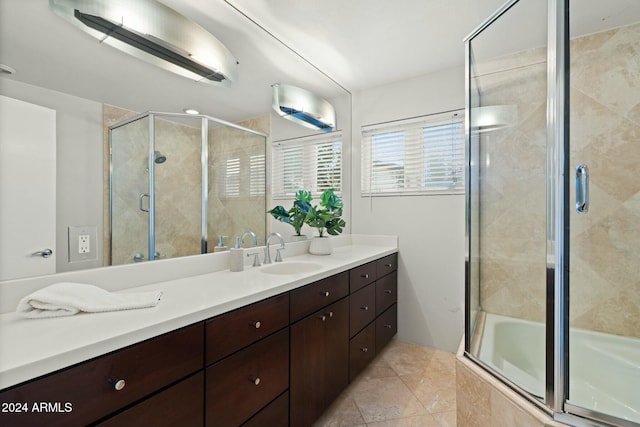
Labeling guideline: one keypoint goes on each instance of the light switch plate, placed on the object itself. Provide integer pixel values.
(83, 242)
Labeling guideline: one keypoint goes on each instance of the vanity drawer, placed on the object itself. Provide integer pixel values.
(232, 331)
(362, 308)
(181, 405)
(242, 384)
(274, 415)
(386, 327)
(386, 265)
(362, 350)
(362, 276)
(386, 292)
(310, 298)
(88, 390)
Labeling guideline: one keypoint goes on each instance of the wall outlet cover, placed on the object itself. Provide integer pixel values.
(83, 242)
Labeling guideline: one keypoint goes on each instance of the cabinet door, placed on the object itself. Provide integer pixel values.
(276, 414)
(242, 384)
(319, 361)
(362, 350)
(181, 405)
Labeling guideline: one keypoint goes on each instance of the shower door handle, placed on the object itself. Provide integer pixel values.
(582, 189)
(142, 196)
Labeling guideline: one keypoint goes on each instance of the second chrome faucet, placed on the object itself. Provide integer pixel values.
(267, 255)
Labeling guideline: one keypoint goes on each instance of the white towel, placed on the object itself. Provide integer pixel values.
(67, 299)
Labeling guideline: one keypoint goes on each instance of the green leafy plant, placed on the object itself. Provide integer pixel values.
(327, 216)
(297, 214)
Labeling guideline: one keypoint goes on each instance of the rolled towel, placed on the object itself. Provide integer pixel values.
(67, 299)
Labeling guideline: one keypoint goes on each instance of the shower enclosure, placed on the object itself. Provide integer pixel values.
(553, 206)
(179, 180)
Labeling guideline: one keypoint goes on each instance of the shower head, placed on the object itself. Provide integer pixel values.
(158, 157)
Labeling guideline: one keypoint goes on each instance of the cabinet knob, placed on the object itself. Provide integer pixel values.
(118, 384)
(364, 307)
(364, 349)
(255, 380)
(388, 265)
(387, 326)
(256, 324)
(387, 291)
(330, 314)
(323, 318)
(365, 275)
(325, 293)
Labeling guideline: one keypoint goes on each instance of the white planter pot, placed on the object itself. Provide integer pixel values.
(320, 246)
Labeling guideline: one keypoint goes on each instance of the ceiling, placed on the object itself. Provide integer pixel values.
(358, 43)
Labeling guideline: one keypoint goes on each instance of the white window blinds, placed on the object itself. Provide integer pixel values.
(423, 155)
(311, 163)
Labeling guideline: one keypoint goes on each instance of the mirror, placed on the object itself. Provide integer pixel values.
(92, 86)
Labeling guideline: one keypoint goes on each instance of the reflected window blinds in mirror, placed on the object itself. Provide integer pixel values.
(153, 32)
(303, 107)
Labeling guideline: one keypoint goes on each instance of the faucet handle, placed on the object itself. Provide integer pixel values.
(279, 255)
(256, 258)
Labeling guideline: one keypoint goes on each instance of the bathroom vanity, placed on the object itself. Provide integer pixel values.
(277, 361)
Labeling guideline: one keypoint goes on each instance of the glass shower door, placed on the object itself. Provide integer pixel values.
(508, 210)
(129, 210)
(605, 221)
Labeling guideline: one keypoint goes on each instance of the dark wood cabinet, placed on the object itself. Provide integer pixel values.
(242, 384)
(278, 362)
(95, 389)
(319, 361)
(181, 405)
(362, 350)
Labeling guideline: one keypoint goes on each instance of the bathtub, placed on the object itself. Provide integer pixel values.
(604, 370)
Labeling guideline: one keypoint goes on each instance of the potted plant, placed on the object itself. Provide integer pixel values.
(297, 214)
(326, 217)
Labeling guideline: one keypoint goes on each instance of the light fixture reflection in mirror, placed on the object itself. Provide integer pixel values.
(155, 33)
(303, 107)
(493, 117)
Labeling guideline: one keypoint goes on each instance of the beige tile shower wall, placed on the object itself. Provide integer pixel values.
(605, 134)
(512, 189)
(231, 213)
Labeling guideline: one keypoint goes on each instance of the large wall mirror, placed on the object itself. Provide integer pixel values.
(98, 94)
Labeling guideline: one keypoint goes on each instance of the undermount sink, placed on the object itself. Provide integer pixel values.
(292, 267)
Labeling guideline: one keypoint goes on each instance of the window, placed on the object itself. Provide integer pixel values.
(424, 155)
(232, 178)
(256, 175)
(311, 163)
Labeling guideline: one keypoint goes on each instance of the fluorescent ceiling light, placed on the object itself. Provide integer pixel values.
(303, 107)
(155, 33)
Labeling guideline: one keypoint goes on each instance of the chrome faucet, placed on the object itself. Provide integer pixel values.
(252, 234)
(267, 256)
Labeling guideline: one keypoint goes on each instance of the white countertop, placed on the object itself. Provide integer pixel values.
(30, 348)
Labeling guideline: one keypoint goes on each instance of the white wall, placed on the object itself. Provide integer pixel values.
(430, 228)
(79, 176)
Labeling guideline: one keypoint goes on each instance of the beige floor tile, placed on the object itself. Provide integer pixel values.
(446, 419)
(342, 413)
(381, 399)
(419, 421)
(406, 359)
(435, 390)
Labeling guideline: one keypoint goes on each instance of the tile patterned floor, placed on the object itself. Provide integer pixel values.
(405, 386)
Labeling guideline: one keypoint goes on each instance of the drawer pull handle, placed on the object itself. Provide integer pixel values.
(365, 275)
(387, 291)
(364, 349)
(118, 384)
(256, 324)
(364, 307)
(387, 326)
(323, 318)
(325, 293)
(388, 265)
(255, 380)
(330, 314)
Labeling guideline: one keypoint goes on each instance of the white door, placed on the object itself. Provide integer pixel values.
(27, 189)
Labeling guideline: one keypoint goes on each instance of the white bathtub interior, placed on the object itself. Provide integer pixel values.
(515, 348)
